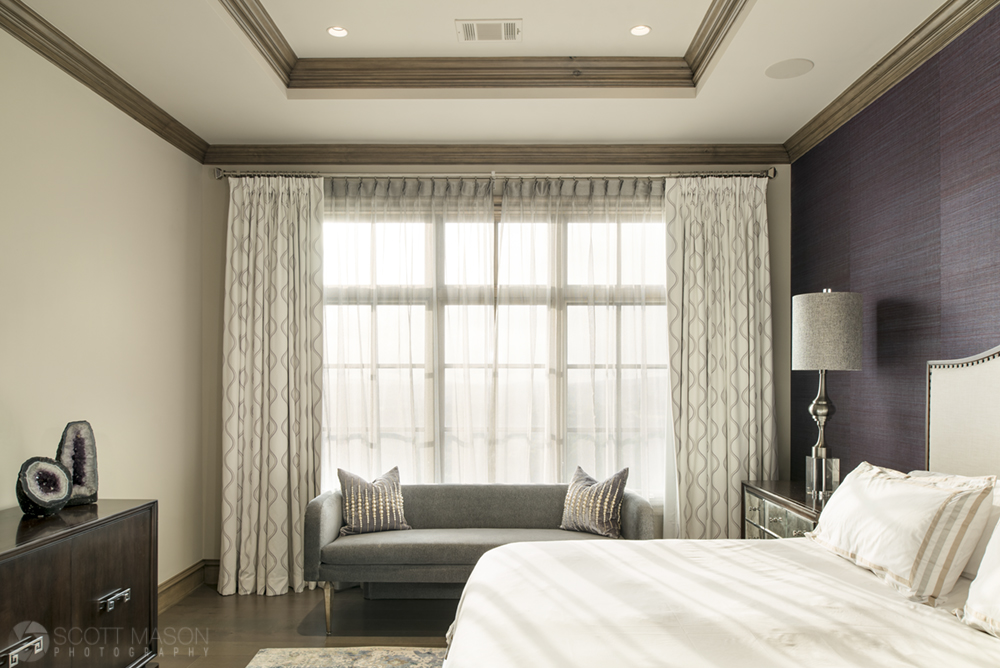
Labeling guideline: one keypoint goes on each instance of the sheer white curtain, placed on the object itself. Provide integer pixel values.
(467, 349)
(582, 272)
(719, 296)
(401, 252)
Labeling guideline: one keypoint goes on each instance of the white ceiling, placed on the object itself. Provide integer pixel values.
(551, 27)
(191, 59)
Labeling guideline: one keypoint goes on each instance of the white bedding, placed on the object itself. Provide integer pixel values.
(692, 604)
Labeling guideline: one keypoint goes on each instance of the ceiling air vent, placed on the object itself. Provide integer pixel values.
(488, 30)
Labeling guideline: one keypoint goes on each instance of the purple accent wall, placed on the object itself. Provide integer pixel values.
(902, 204)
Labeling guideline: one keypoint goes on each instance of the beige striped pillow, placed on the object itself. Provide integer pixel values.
(371, 506)
(595, 507)
(917, 534)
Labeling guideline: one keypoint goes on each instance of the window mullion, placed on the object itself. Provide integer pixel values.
(435, 408)
(558, 240)
(616, 451)
(375, 447)
(492, 440)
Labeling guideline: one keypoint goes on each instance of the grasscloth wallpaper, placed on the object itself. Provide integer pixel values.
(902, 204)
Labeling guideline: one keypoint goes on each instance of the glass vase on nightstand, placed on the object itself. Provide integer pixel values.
(822, 476)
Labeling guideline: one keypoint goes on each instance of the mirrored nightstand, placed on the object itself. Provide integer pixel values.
(778, 509)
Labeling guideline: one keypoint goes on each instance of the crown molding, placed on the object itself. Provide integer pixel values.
(23, 23)
(529, 72)
(947, 23)
(720, 20)
(491, 73)
(260, 28)
(951, 20)
(496, 154)
(53, 45)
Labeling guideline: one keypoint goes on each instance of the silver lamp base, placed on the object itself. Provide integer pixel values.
(822, 476)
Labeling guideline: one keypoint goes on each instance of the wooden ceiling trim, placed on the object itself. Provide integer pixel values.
(263, 33)
(947, 23)
(496, 154)
(529, 72)
(491, 73)
(713, 32)
(23, 23)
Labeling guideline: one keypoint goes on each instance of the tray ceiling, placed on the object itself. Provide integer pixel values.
(195, 61)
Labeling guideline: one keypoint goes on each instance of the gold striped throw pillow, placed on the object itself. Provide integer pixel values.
(915, 533)
(595, 507)
(371, 506)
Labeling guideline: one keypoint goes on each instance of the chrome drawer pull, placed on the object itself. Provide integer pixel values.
(776, 520)
(31, 645)
(798, 533)
(107, 603)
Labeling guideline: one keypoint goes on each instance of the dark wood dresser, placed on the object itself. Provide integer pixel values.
(79, 588)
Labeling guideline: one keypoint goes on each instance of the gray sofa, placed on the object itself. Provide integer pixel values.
(452, 526)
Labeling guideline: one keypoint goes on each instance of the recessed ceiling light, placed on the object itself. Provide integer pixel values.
(639, 31)
(789, 69)
(337, 31)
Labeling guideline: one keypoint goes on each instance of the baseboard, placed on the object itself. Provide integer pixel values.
(176, 588)
(211, 571)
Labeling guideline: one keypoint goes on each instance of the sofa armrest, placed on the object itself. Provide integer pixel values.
(324, 517)
(637, 517)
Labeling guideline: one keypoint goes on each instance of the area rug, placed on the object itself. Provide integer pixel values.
(349, 657)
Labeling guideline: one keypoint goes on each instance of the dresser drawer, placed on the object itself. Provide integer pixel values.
(33, 604)
(751, 530)
(113, 592)
(771, 510)
(784, 523)
(753, 509)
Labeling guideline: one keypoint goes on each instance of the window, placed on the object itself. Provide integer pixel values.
(464, 347)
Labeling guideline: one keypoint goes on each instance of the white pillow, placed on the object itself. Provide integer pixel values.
(915, 533)
(982, 607)
(972, 568)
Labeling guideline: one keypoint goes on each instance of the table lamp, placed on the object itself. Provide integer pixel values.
(826, 336)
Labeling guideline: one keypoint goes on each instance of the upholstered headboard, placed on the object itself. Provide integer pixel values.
(963, 415)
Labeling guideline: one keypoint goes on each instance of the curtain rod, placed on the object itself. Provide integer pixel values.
(770, 173)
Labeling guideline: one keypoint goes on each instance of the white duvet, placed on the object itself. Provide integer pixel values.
(693, 604)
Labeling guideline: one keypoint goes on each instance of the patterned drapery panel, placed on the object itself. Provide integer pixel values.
(719, 301)
(272, 380)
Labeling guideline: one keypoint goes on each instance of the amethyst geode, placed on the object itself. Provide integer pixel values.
(43, 487)
(78, 453)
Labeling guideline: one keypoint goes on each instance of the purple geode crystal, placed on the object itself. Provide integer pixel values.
(43, 487)
(78, 453)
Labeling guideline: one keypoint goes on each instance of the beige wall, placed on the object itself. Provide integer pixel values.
(100, 296)
(215, 209)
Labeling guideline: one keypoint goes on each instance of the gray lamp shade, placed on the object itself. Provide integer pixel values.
(826, 331)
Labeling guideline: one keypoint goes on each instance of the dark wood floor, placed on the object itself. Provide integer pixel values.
(206, 629)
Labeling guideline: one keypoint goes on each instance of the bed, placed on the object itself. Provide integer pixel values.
(730, 602)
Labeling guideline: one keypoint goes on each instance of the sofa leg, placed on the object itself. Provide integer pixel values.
(328, 596)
